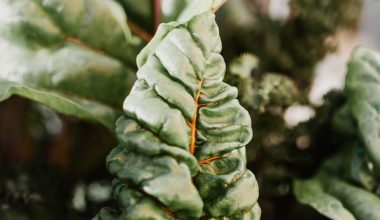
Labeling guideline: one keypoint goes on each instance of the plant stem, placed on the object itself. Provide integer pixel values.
(139, 32)
(156, 14)
(216, 7)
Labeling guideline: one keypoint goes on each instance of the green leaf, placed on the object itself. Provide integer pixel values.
(196, 7)
(311, 192)
(183, 133)
(240, 75)
(363, 92)
(335, 197)
(364, 205)
(77, 47)
(273, 89)
(73, 106)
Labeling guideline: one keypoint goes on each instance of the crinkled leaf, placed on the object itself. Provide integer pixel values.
(69, 46)
(183, 135)
(363, 92)
(74, 106)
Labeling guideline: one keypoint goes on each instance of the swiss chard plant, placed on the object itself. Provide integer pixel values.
(183, 133)
(190, 120)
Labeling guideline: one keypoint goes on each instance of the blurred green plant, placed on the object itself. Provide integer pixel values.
(272, 90)
(347, 185)
(292, 46)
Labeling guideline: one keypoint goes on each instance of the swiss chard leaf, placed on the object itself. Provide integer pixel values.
(77, 47)
(337, 199)
(363, 93)
(69, 105)
(359, 160)
(74, 56)
(311, 192)
(183, 133)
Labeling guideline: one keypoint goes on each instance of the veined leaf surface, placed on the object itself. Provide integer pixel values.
(81, 52)
(183, 135)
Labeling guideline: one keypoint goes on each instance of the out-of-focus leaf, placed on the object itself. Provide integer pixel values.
(240, 75)
(343, 121)
(363, 204)
(69, 105)
(363, 93)
(142, 13)
(278, 90)
(331, 193)
(183, 135)
(78, 47)
(311, 192)
(273, 89)
(337, 199)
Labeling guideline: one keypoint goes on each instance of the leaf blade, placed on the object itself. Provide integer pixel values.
(179, 108)
(362, 89)
(76, 107)
(311, 192)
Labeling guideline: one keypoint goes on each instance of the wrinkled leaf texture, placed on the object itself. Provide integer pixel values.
(81, 50)
(183, 133)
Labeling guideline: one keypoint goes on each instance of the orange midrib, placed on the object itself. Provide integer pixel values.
(193, 125)
(194, 121)
(167, 211)
(209, 160)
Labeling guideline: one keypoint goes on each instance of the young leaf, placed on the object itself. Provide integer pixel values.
(241, 69)
(183, 135)
(273, 89)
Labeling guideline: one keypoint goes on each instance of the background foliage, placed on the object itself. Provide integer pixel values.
(78, 59)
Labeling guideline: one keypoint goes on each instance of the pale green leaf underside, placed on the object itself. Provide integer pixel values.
(179, 101)
(72, 106)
